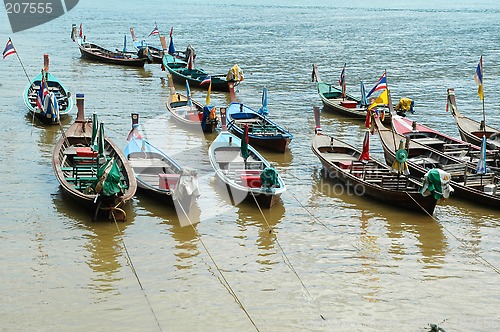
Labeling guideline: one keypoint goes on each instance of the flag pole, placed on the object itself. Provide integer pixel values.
(391, 110)
(17, 54)
(159, 34)
(484, 116)
(29, 80)
(482, 92)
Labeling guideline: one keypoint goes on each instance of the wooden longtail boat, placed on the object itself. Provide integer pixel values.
(183, 71)
(189, 112)
(481, 189)
(53, 102)
(251, 178)
(98, 53)
(157, 174)
(451, 146)
(263, 132)
(332, 100)
(370, 177)
(100, 180)
(472, 131)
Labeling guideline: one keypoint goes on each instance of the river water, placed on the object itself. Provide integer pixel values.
(322, 259)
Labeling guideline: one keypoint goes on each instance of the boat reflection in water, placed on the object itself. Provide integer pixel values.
(266, 224)
(103, 242)
(182, 228)
(384, 228)
(247, 217)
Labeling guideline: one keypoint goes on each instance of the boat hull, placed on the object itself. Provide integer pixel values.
(457, 182)
(105, 56)
(64, 165)
(472, 131)
(241, 178)
(180, 74)
(166, 196)
(64, 101)
(371, 178)
(189, 117)
(346, 105)
(180, 77)
(262, 199)
(407, 200)
(277, 144)
(274, 138)
(158, 175)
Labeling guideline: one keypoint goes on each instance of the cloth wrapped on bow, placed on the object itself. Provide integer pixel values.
(437, 183)
(188, 184)
(235, 74)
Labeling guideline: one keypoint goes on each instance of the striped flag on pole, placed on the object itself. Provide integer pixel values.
(9, 49)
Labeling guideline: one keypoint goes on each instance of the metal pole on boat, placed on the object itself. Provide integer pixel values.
(391, 109)
(17, 54)
(484, 118)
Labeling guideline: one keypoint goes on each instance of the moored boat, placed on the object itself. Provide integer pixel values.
(157, 174)
(189, 112)
(482, 188)
(262, 131)
(336, 100)
(451, 146)
(245, 173)
(183, 71)
(98, 53)
(46, 97)
(367, 176)
(470, 130)
(91, 169)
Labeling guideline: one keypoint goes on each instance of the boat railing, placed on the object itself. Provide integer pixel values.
(471, 180)
(394, 182)
(456, 169)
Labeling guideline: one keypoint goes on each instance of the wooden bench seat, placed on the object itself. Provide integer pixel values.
(457, 169)
(264, 129)
(394, 182)
(471, 180)
(81, 178)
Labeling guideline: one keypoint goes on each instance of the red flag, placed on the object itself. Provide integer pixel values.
(365, 154)
(81, 31)
(368, 119)
(42, 93)
(190, 63)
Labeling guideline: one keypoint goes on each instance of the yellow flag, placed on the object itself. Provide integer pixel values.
(480, 92)
(382, 99)
(478, 77)
(207, 101)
